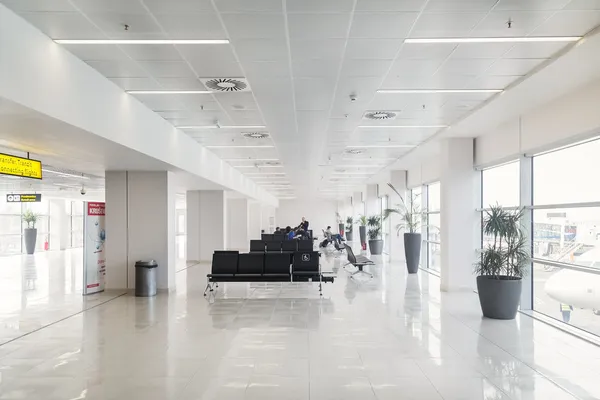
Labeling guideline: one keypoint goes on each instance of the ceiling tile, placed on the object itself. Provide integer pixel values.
(118, 69)
(583, 5)
(514, 66)
(96, 53)
(534, 50)
(237, 6)
(382, 49)
(158, 7)
(237, 101)
(567, 23)
(389, 5)
(465, 66)
(317, 6)
(136, 83)
(139, 26)
(426, 51)
(168, 69)
(63, 25)
(180, 84)
(267, 70)
(460, 5)
(261, 49)
(318, 26)
(313, 94)
(523, 23)
(151, 52)
(327, 49)
(192, 26)
(492, 82)
(379, 25)
(365, 68)
(161, 103)
(254, 26)
(446, 24)
(511, 5)
(481, 50)
(362, 86)
(39, 5)
(415, 67)
(315, 68)
(131, 7)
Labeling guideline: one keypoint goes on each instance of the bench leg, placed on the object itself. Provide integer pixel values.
(207, 287)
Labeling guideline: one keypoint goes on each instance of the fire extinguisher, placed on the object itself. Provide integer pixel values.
(46, 244)
(364, 245)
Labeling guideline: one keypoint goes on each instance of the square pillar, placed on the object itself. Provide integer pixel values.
(460, 221)
(372, 201)
(254, 220)
(398, 179)
(206, 223)
(140, 225)
(59, 224)
(238, 224)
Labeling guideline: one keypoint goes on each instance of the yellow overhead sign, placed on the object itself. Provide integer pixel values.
(18, 166)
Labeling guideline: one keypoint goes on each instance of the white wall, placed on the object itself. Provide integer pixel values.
(319, 213)
(568, 119)
(237, 224)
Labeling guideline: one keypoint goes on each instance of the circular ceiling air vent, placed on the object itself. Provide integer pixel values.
(380, 115)
(226, 84)
(255, 135)
(354, 151)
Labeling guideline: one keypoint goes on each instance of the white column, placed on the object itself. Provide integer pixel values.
(357, 199)
(238, 237)
(398, 179)
(371, 203)
(59, 224)
(140, 225)
(460, 197)
(254, 217)
(206, 223)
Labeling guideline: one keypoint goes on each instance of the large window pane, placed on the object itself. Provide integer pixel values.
(10, 224)
(501, 185)
(433, 225)
(434, 256)
(433, 197)
(10, 244)
(415, 195)
(566, 176)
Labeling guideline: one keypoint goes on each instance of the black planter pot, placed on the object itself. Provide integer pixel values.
(30, 235)
(376, 247)
(362, 232)
(341, 229)
(499, 298)
(349, 235)
(412, 251)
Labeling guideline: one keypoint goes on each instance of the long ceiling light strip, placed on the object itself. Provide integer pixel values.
(169, 91)
(239, 147)
(221, 127)
(249, 159)
(523, 39)
(401, 126)
(429, 91)
(141, 41)
(382, 146)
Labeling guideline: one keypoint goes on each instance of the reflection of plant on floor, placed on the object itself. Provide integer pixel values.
(374, 224)
(506, 257)
(30, 218)
(349, 223)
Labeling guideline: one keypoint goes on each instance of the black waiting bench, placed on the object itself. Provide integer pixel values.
(232, 266)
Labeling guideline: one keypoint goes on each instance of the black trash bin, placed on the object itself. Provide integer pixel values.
(145, 278)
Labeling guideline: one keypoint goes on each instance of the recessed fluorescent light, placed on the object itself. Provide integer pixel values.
(524, 39)
(427, 91)
(222, 127)
(141, 41)
(169, 91)
(258, 166)
(264, 173)
(401, 126)
(359, 166)
(382, 146)
(239, 147)
(250, 159)
(65, 174)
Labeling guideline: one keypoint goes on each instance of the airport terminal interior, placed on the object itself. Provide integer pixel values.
(299, 199)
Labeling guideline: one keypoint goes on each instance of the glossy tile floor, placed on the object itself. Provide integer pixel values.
(390, 337)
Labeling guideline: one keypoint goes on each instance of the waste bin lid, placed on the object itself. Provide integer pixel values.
(146, 264)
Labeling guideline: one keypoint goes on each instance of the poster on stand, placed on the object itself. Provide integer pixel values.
(94, 256)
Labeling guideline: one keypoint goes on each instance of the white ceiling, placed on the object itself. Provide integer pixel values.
(303, 59)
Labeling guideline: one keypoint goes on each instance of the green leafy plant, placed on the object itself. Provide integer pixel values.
(362, 220)
(374, 224)
(349, 223)
(506, 255)
(338, 217)
(410, 214)
(30, 218)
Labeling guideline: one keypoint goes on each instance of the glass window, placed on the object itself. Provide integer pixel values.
(433, 197)
(567, 235)
(500, 185)
(415, 195)
(76, 218)
(432, 219)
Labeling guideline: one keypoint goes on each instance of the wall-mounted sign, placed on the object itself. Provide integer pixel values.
(24, 198)
(18, 166)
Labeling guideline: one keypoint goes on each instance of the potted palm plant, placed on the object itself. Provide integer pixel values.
(340, 223)
(503, 262)
(30, 233)
(362, 229)
(410, 221)
(349, 228)
(374, 233)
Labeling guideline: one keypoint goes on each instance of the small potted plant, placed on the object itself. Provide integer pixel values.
(410, 216)
(362, 229)
(30, 233)
(374, 233)
(349, 228)
(502, 263)
(340, 223)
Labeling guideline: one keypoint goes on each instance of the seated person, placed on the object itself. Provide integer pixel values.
(277, 231)
(289, 232)
(337, 237)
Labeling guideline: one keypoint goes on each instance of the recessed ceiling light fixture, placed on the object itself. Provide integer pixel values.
(169, 91)
(227, 146)
(382, 146)
(221, 127)
(264, 173)
(401, 126)
(250, 159)
(258, 166)
(428, 91)
(141, 41)
(255, 135)
(524, 39)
